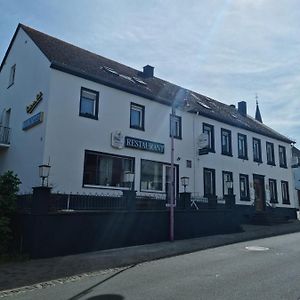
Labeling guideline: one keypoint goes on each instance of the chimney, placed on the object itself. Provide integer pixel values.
(148, 71)
(242, 108)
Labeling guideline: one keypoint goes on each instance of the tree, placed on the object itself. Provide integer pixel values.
(9, 186)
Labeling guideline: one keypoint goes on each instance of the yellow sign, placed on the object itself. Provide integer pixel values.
(30, 108)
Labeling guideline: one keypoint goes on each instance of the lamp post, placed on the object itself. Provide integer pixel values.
(129, 177)
(44, 171)
(185, 182)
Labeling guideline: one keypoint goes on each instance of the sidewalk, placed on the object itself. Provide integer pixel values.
(13, 275)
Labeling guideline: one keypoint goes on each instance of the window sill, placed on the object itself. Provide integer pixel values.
(258, 161)
(227, 154)
(105, 187)
(176, 137)
(283, 166)
(152, 191)
(245, 199)
(271, 164)
(211, 150)
(286, 203)
(88, 116)
(137, 128)
(243, 157)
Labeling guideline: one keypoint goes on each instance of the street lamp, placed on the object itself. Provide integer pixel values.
(44, 171)
(185, 182)
(129, 177)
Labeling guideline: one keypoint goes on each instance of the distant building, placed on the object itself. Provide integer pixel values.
(95, 121)
(296, 172)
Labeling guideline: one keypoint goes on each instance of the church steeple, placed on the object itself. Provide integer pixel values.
(257, 112)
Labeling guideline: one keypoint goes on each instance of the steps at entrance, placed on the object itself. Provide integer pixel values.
(267, 218)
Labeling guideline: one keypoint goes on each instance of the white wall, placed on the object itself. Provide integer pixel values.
(68, 135)
(25, 153)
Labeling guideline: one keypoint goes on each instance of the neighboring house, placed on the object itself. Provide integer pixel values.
(296, 172)
(94, 120)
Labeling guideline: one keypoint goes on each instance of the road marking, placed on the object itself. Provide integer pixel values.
(257, 248)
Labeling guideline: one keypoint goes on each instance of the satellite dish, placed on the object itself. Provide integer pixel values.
(203, 140)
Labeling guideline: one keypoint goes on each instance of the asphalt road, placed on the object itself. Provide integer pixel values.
(229, 272)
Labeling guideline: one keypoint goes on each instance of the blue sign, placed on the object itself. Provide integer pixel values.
(33, 121)
(140, 144)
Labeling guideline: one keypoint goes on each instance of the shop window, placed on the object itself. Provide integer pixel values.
(106, 170)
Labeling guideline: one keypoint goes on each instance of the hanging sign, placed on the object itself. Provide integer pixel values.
(203, 140)
(117, 139)
(30, 108)
(33, 121)
(145, 145)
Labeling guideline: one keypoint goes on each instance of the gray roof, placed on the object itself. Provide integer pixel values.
(74, 60)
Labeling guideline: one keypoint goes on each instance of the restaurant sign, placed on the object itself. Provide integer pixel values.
(33, 121)
(145, 145)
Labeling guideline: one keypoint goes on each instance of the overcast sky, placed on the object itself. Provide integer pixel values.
(229, 50)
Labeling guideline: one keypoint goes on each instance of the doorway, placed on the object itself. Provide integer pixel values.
(259, 193)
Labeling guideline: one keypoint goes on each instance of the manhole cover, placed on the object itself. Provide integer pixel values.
(257, 248)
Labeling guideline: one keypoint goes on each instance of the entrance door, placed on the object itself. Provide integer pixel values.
(259, 192)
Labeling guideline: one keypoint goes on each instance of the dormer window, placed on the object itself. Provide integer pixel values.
(12, 75)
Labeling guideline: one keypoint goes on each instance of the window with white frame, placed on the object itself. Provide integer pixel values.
(282, 157)
(270, 153)
(89, 102)
(273, 191)
(285, 192)
(244, 187)
(226, 142)
(209, 182)
(257, 150)
(175, 127)
(12, 75)
(209, 130)
(137, 116)
(242, 146)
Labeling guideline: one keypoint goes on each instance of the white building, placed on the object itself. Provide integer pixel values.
(93, 119)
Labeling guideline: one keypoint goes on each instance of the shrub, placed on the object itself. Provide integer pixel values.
(9, 186)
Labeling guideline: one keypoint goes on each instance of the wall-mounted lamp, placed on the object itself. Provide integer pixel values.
(185, 182)
(44, 171)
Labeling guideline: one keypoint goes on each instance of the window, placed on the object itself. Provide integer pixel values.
(270, 154)
(106, 170)
(273, 191)
(244, 187)
(209, 182)
(137, 116)
(175, 130)
(226, 142)
(257, 150)
(209, 130)
(285, 192)
(227, 176)
(12, 75)
(151, 175)
(282, 157)
(188, 163)
(89, 102)
(242, 146)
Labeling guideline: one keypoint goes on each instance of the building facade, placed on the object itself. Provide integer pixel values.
(94, 121)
